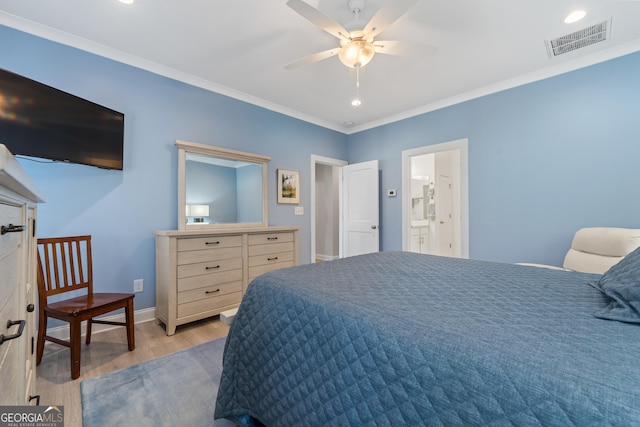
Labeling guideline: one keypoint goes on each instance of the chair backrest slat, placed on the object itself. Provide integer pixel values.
(64, 265)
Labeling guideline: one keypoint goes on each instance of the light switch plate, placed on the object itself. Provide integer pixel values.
(299, 210)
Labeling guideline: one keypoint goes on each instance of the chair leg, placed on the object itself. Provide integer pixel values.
(42, 332)
(128, 312)
(89, 322)
(75, 337)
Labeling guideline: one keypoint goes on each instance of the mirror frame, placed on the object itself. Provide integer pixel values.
(185, 147)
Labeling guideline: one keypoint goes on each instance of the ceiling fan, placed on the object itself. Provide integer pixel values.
(357, 44)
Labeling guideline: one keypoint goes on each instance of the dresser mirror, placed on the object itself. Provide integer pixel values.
(220, 188)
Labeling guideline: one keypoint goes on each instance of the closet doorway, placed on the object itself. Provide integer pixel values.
(325, 208)
(435, 213)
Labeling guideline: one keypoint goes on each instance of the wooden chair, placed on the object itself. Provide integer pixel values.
(64, 265)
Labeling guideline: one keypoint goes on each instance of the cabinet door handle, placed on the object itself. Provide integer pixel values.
(11, 323)
(212, 292)
(212, 243)
(212, 268)
(12, 228)
(272, 259)
(272, 238)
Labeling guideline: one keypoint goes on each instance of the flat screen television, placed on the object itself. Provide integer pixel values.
(37, 120)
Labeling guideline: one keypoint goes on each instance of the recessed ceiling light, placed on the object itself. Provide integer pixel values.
(575, 16)
(126, 1)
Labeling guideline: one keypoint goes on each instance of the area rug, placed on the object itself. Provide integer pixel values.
(179, 389)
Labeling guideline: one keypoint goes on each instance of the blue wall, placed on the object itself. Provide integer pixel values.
(545, 159)
(122, 208)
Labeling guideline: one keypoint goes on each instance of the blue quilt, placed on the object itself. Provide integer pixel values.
(403, 339)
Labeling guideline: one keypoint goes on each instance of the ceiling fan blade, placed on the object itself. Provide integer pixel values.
(387, 15)
(312, 58)
(391, 47)
(318, 18)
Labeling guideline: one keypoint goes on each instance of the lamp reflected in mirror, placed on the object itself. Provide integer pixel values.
(197, 213)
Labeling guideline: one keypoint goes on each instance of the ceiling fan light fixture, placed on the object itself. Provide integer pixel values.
(356, 53)
(356, 102)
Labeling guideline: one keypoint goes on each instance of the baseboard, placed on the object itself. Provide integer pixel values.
(323, 257)
(140, 316)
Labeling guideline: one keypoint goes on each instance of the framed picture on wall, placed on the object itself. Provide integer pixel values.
(288, 186)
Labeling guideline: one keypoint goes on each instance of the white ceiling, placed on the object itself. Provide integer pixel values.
(239, 47)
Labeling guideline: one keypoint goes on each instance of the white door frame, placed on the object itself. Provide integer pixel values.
(312, 215)
(463, 146)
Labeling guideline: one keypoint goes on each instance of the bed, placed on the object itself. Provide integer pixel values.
(397, 338)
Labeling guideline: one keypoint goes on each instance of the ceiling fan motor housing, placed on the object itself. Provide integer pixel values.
(356, 6)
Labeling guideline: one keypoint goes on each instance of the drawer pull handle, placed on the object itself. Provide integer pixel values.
(272, 238)
(37, 399)
(272, 259)
(212, 268)
(212, 292)
(12, 228)
(212, 243)
(11, 323)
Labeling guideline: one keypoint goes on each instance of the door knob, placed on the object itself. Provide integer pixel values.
(374, 227)
(30, 308)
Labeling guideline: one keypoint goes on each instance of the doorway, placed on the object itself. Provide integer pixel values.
(344, 208)
(325, 208)
(435, 217)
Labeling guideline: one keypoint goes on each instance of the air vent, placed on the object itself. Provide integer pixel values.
(583, 38)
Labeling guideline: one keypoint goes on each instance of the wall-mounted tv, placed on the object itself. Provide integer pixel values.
(37, 120)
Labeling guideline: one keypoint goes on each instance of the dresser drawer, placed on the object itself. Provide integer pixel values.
(272, 248)
(215, 266)
(209, 292)
(10, 263)
(262, 239)
(195, 282)
(209, 304)
(261, 269)
(205, 255)
(199, 243)
(10, 214)
(274, 258)
(10, 352)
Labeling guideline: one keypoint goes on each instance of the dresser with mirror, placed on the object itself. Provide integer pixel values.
(223, 240)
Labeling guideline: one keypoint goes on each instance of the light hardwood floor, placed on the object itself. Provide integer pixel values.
(108, 352)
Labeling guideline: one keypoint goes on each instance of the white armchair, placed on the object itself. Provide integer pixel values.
(596, 249)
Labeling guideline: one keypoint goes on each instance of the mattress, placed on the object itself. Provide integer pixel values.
(397, 338)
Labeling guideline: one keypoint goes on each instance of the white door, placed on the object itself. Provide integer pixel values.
(444, 216)
(360, 208)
